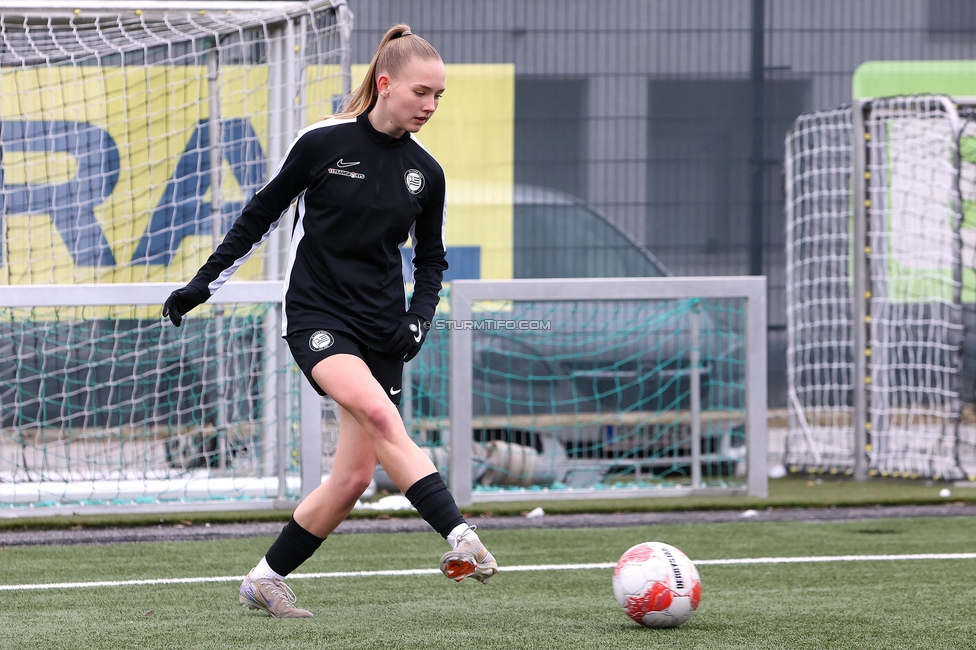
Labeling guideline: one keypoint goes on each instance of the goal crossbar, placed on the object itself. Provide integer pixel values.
(147, 293)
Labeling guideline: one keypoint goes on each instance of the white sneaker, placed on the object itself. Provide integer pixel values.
(469, 559)
(272, 596)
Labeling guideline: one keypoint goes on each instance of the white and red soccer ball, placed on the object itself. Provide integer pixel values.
(657, 585)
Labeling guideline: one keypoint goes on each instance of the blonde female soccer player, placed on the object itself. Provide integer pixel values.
(363, 184)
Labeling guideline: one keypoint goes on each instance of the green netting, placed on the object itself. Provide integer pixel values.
(114, 405)
(593, 393)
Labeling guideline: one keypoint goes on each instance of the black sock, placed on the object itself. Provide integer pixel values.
(293, 546)
(435, 504)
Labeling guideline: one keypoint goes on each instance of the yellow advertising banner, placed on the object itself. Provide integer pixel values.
(107, 174)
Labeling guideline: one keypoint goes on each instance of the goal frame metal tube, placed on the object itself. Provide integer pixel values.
(860, 264)
(283, 9)
(148, 293)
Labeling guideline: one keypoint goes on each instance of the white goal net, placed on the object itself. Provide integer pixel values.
(894, 206)
(820, 356)
(133, 133)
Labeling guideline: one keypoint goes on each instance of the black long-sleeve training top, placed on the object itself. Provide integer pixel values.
(360, 194)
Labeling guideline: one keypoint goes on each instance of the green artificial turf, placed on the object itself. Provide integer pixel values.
(861, 604)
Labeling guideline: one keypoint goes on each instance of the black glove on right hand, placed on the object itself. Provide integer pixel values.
(181, 301)
(408, 337)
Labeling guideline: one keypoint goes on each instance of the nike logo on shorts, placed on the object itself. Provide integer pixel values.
(395, 392)
(343, 163)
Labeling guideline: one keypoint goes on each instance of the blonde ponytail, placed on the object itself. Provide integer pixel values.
(396, 49)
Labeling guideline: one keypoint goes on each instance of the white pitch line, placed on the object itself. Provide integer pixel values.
(505, 569)
(841, 558)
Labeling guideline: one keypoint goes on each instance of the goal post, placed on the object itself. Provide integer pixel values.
(604, 388)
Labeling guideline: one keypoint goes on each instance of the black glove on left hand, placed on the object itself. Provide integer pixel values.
(181, 301)
(408, 337)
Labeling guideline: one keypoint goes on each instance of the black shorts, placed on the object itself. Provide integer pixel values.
(308, 347)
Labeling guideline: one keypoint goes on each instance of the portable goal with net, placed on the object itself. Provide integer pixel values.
(879, 214)
(131, 134)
